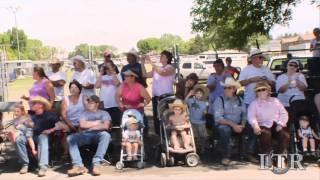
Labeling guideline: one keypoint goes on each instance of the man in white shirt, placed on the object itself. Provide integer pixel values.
(84, 76)
(315, 43)
(58, 80)
(249, 76)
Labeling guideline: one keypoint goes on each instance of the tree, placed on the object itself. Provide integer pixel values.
(147, 45)
(83, 50)
(231, 23)
(197, 45)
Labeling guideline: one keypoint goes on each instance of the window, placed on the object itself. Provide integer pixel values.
(18, 64)
(198, 66)
(186, 66)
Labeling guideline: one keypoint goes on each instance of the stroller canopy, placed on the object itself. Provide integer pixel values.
(131, 113)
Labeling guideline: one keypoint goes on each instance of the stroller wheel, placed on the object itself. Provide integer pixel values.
(171, 161)
(163, 160)
(192, 159)
(140, 165)
(119, 165)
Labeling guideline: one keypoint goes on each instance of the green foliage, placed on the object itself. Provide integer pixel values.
(231, 23)
(83, 50)
(32, 49)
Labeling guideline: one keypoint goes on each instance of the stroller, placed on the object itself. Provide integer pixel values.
(132, 113)
(300, 108)
(168, 154)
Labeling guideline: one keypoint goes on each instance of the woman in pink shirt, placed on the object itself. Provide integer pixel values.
(132, 95)
(267, 116)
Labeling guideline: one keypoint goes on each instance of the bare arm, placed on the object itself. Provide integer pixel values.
(50, 91)
(118, 96)
(164, 71)
(284, 88)
(103, 125)
(64, 115)
(98, 83)
(58, 83)
(144, 93)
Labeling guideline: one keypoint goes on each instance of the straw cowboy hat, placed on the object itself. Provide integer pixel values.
(262, 85)
(230, 82)
(132, 120)
(203, 88)
(42, 100)
(56, 61)
(133, 52)
(130, 73)
(177, 103)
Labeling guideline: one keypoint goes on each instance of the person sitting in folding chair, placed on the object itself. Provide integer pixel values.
(93, 126)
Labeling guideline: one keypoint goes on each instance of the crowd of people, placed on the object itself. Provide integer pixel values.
(86, 118)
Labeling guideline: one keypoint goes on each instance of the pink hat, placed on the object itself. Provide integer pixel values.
(107, 53)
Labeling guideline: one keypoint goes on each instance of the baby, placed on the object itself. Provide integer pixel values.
(307, 134)
(178, 123)
(22, 127)
(131, 138)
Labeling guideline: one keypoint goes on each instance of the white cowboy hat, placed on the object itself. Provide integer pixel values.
(133, 52)
(229, 81)
(203, 88)
(78, 58)
(255, 52)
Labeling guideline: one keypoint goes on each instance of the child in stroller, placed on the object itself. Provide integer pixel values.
(307, 135)
(131, 138)
(178, 123)
(132, 149)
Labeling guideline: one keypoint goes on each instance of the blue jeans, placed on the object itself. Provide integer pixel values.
(225, 133)
(21, 149)
(102, 138)
(43, 150)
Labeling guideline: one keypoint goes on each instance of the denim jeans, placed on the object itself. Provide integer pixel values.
(225, 133)
(43, 150)
(102, 138)
(21, 149)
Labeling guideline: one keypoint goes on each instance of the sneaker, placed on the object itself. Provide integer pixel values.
(252, 159)
(24, 169)
(77, 170)
(42, 172)
(225, 161)
(96, 170)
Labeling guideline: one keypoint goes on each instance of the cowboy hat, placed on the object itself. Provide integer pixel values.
(255, 52)
(133, 52)
(78, 58)
(230, 82)
(203, 89)
(262, 85)
(177, 103)
(130, 73)
(132, 120)
(56, 61)
(42, 100)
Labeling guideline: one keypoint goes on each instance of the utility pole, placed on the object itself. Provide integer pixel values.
(14, 10)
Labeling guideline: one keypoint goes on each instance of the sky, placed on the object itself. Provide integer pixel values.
(121, 23)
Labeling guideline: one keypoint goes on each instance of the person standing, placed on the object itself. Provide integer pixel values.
(249, 76)
(58, 80)
(315, 43)
(162, 81)
(234, 72)
(84, 76)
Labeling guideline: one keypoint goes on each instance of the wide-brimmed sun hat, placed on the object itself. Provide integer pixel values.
(132, 120)
(42, 100)
(262, 85)
(229, 81)
(130, 73)
(177, 103)
(204, 89)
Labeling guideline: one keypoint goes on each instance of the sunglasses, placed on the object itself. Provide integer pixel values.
(228, 88)
(131, 116)
(293, 65)
(262, 90)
